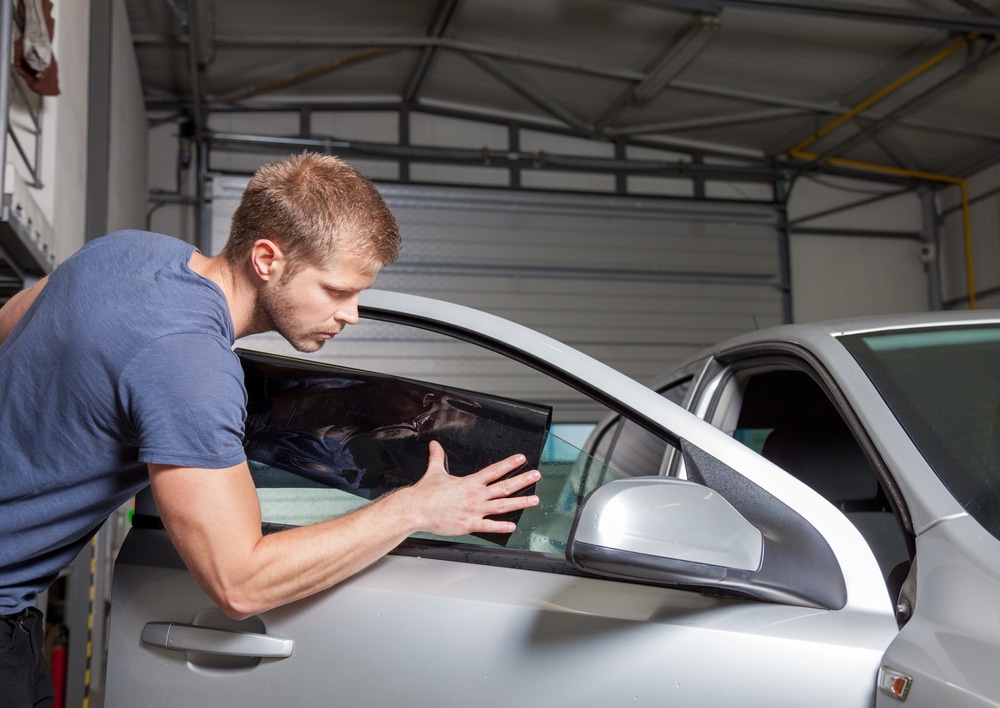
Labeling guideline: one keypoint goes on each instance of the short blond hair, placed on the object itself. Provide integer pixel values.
(313, 206)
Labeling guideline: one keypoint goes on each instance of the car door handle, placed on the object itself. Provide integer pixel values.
(187, 637)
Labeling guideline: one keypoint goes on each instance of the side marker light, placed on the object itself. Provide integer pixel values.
(894, 683)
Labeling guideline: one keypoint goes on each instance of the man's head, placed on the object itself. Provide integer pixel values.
(315, 207)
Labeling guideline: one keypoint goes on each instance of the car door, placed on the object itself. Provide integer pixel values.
(501, 622)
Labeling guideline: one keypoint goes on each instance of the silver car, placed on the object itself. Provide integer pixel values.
(807, 515)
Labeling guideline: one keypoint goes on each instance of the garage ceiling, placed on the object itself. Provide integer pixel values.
(904, 87)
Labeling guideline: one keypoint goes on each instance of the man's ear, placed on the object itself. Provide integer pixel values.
(267, 259)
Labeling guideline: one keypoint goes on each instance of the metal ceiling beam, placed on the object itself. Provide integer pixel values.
(975, 8)
(439, 25)
(708, 121)
(276, 41)
(299, 42)
(548, 105)
(672, 60)
(876, 125)
(815, 107)
(843, 11)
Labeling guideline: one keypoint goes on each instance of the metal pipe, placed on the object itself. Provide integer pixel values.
(781, 194)
(299, 76)
(199, 127)
(815, 159)
(852, 232)
(6, 19)
(843, 11)
(879, 95)
(193, 69)
(538, 160)
(873, 127)
(931, 240)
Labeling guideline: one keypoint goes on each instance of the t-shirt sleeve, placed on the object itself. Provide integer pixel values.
(185, 397)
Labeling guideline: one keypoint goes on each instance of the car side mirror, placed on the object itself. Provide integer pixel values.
(629, 523)
(679, 533)
(664, 530)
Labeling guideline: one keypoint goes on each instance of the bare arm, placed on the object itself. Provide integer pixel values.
(14, 309)
(213, 518)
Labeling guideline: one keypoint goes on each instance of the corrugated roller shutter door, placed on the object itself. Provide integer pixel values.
(637, 283)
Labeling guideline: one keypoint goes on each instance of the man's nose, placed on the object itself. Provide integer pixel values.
(348, 311)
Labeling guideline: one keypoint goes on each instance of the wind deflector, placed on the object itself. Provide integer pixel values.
(368, 433)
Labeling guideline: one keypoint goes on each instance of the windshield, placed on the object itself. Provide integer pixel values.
(943, 384)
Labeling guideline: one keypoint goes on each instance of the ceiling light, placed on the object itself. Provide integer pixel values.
(678, 56)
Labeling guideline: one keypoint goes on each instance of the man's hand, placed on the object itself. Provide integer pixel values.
(446, 505)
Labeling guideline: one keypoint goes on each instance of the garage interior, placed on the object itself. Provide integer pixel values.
(637, 178)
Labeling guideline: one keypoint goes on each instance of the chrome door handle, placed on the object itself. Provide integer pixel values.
(187, 637)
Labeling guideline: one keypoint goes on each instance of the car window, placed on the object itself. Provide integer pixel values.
(568, 475)
(305, 472)
(630, 448)
(786, 416)
(943, 385)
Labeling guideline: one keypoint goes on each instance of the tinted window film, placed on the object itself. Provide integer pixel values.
(368, 433)
(323, 441)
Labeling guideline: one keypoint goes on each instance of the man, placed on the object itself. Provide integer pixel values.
(117, 371)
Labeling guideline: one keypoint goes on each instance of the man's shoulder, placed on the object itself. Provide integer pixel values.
(128, 239)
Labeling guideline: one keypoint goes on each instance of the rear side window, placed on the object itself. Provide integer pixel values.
(630, 448)
(788, 418)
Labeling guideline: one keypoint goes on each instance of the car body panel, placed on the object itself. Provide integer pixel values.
(948, 647)
(951, 645)
(414, 630)
(452, 623)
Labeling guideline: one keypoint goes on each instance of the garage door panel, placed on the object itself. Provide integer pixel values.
(638, 283)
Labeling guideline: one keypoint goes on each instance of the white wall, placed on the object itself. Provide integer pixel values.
(62, 198)
(984, 217)
(843, 275)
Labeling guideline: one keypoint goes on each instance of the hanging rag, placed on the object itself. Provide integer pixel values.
(33, 56)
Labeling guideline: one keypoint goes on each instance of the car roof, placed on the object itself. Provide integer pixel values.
(819, 335)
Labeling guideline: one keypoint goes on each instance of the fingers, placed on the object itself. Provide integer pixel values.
(490, 474)
(511, 485)
(455, 506)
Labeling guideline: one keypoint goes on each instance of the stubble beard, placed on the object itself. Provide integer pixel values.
(273, 313)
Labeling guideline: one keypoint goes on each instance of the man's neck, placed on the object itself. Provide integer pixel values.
(240, 295)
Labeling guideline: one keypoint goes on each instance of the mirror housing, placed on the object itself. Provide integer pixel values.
(642, 517)
(677, 533)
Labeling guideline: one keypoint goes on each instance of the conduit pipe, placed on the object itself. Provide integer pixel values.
(799, 153)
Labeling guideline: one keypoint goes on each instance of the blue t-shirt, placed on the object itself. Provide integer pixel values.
(125, 358)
